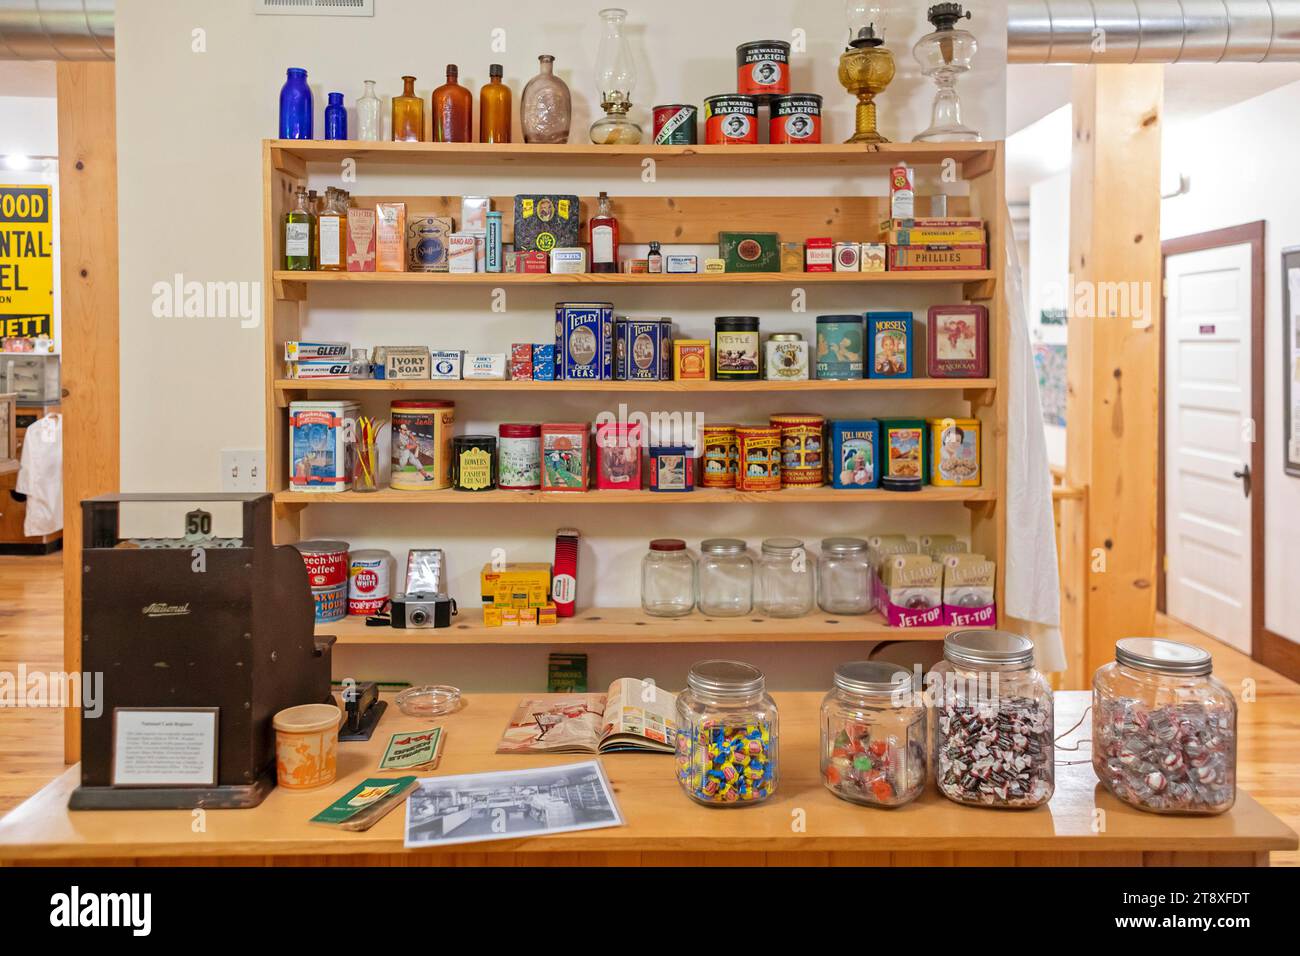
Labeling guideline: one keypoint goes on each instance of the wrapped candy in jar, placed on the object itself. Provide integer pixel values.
(993, 726)
(726, 735)
(1164, 730)
(873, 735)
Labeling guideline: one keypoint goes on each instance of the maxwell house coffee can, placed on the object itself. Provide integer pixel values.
(675, 125)
(763, 68)
(796, 118)
(730, 118)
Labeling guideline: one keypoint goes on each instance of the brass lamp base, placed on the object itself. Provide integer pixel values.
(866, 71)
(866, 131)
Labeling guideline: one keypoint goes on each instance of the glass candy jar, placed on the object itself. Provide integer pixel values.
(726, 735)
(667, 579)
(784, 582)
(844, 577)
(993, 726)
(726, 578)
(873, 735)
(1164, 730)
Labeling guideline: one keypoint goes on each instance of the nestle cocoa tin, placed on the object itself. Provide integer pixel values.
(676, 125)
(763, 68)
(795, 119)
(730, 118)
(326, 561)
(802, 447)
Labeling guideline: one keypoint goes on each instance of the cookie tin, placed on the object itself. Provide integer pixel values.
(954, 452)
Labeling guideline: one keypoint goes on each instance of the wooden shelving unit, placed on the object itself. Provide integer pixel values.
(679, 219)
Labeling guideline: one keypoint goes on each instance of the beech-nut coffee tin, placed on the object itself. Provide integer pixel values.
(326, 561)
(730, 118)
(802, 446)
(676, 125)
(796, 118)
(760, 458)
(763, 68)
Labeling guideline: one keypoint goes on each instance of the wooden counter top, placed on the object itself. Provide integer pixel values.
(803, 823)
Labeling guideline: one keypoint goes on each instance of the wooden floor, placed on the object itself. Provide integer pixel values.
(31, 741)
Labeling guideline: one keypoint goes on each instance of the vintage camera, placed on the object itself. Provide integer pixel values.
(422, 609)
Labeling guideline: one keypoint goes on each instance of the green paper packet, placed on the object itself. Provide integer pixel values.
(414, 748)
(366, 803)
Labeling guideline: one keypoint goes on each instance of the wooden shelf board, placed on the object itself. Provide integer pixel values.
(286, 153)
(701, 496)
(629, 625)
(292, 385)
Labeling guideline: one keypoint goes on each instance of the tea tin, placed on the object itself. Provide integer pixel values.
(957, 341)
(796, 118)
(839, 347)
(730, 118)
(802, 459)
(565, 456)
(763, 68)
(474, 462)
(421, 445)
(889, 338)
(321, 447)
(675, 125)
(786, 358)
(519, 457)
(584, 341)
(954, 452)
(671, 468)
(618, 456)
(735, 348)
(642, 349)
(759, 450)
(721, 457)
(854, 457)
(904, 462)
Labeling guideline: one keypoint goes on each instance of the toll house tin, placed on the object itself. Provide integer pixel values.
(676, 125)
(730, 118)
(853, 458)
(321, 445)
(795, 119)
(584, 341)
(763, 68)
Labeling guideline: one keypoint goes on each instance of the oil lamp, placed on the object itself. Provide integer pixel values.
(616, 78)
(944, 55)
(866, 67)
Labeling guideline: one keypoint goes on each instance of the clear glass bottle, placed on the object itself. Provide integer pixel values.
(359, 367)
(615, 82)
(408, 114)
(727, 733)
(783, 584)
(668, 579)
(332, 232)
(873, 735)
(726, 578)
(602, 234)
(993, 722)
(1164, 730)
(546, 106)
(494, 108)
(453, 110)
(370, 127)
(844, 576)
(299, 230)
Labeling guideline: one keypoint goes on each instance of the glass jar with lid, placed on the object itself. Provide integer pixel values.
(844, 577)
(668, 579)
(993, 722)
(784, 580)
(873, 735)
(1164, 729)
(726, 578)
(726, 735)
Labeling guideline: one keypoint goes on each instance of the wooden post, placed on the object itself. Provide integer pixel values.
(1114, 343)
(89, 309)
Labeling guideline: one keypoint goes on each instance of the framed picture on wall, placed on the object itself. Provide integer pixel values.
(1291, 358)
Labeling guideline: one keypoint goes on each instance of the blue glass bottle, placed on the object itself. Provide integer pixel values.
(336, 118)
(295, 106)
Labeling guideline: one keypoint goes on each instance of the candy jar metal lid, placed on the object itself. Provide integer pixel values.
(1163, 657)
(781, 546)
(983, 648)
(842, 546)
(725, 679)
(872, 678)
(722, 546)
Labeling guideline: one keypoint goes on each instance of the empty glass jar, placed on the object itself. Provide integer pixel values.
(873, 735)
(784, 581)
(667, 579)
(844, 577)
(993, 722)
(726, 735)
(1164, 730)
(726, 578)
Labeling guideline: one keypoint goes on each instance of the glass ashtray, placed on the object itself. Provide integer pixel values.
(431, 700)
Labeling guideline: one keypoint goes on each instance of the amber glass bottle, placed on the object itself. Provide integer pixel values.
(494, 109)
(453, 111)
(408, 114)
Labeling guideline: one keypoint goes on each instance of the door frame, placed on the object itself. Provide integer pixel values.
(1251, 233)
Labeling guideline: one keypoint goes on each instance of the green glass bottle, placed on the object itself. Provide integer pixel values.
(298, 234)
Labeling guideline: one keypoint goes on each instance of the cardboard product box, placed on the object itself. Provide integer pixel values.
(426, 242)
(819, 254)
(528, 578)
(473, 214)
(390, 237)
(361, 240)
(544, 362)
(462, 253)
(919, 258)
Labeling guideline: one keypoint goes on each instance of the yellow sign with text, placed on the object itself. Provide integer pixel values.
(26, 262)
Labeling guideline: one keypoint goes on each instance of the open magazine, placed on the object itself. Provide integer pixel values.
(632, 715)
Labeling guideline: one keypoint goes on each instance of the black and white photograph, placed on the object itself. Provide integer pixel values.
(511, 803)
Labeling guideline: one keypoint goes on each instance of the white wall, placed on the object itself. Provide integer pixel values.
(1241, 161)
(29, 127)
(1049, 267)
(190, 200)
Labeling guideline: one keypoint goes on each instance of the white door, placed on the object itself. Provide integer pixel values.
(1208, 434)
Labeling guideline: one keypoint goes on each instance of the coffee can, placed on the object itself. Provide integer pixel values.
(370, 575)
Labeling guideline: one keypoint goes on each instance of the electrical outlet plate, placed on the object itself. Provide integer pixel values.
(314, 8)
(243, 469)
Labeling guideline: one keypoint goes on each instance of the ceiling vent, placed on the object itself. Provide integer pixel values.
(314, 8)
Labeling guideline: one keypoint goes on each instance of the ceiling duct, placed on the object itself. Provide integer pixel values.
(56, 29)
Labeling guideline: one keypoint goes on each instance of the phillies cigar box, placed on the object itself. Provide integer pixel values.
(918, 258)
